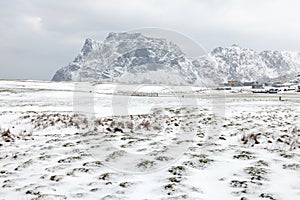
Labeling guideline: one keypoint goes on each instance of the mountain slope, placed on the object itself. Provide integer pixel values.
(135, 58)
(122, 56)
(236, 63)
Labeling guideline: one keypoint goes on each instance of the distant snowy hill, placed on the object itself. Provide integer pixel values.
(135, 58)
(236, 63)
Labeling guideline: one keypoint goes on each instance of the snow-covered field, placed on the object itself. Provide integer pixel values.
(161, 143)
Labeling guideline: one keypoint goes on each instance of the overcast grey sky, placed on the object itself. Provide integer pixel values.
(39, 36)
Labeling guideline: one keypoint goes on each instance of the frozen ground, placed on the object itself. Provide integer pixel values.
(180, 145)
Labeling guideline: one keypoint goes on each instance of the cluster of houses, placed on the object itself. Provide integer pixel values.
(234, 83)
(261, 88)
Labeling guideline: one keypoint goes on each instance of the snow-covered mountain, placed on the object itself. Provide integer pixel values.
(237, 63)
(135, 58)
(130, 57)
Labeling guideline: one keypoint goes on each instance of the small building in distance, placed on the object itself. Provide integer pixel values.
(249, 83)
(231, 83)
(234, 83)
(257, 86)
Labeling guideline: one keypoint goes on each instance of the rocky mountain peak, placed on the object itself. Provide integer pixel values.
(132, 57)
(88, 46)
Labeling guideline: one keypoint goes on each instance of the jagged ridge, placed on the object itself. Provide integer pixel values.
(135, 58)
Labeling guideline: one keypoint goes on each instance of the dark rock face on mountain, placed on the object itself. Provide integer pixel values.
(135, 58)
(124, 57)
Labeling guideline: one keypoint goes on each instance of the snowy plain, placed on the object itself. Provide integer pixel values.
(64, 140)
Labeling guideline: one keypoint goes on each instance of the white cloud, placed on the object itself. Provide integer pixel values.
(33, 24)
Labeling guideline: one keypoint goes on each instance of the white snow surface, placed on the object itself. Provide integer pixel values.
(244, 145)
